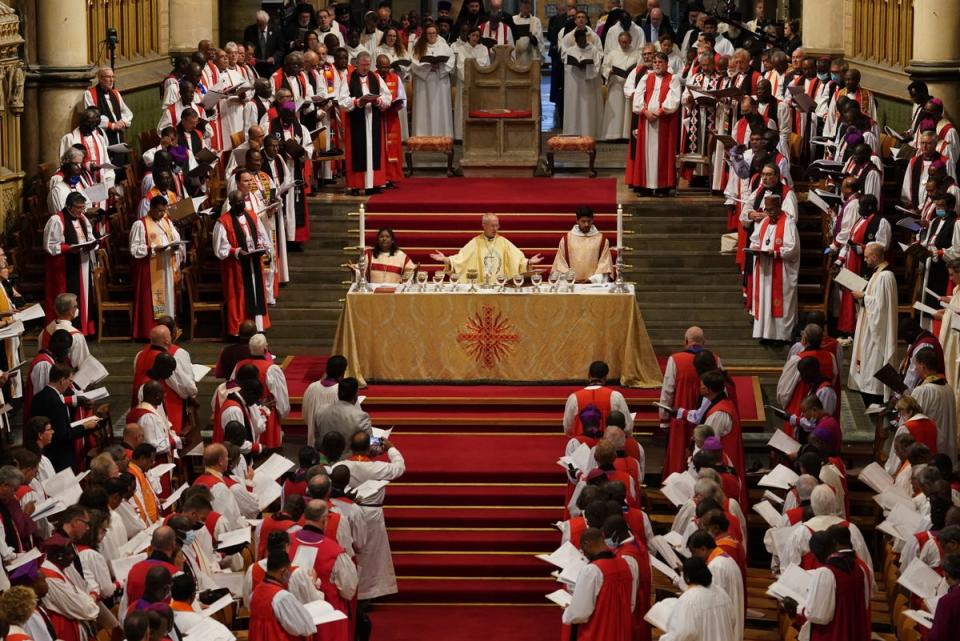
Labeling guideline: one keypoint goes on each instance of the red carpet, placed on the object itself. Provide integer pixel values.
(433, 195)
(466, 623)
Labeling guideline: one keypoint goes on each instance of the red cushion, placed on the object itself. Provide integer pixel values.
(500, 113)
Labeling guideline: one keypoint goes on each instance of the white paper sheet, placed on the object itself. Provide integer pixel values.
(773, 498)
(95, 193)
(875, 477)
(563, 556)
(769, 513)
(678, 488)
(851, 281)
(157, 471)
(920, 579)
(322, 612)
(783, 442)
(659, 613)
(91, 371)
(923, 618)
(22, 559)
(30, 313)
(200, 372)
(267, 491)
(47, 508)
(794, 582)
(233, 581)
(121, 566)
(381, 434)
(666, 552)
(274, 467)
(174, 496)
(305, 557)
(95, 394)
(207, 629)
(781, 478)
(217, 605)
(561, 598)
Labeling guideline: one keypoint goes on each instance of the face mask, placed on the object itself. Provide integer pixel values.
(73, 180)
(610, 543)
(823, 76)
(732, 73)
(76, 312)
(941, 213)
(188, 538)
(836, 78)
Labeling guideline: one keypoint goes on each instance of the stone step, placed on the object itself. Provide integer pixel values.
(654, 258)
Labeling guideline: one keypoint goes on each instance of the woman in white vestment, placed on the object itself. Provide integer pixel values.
(471, 49)
(703, 611)
(432, 112)
(618, 111)
(392, 47)
(581, 88)
(387, 263)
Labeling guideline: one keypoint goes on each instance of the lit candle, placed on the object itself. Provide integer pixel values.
(363, 230)
(619, 225)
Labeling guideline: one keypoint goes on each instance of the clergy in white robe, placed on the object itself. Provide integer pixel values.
(70, 259)
(937, 400)
(471, 49)
(651, 161)
(229, 110)
(528, 47)
(584, 250)
(949, 333)
(362, 100)
(582, 105)
(91, 139)
(725, 571)
(704, 611)
(776, 247)
(156, 256)
(875, 338)
(824, 504)
(374, 563)
(618, 110)
(488, 254)
(433, 65)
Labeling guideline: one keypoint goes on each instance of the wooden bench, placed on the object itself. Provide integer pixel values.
(572, 144)
(435, 144)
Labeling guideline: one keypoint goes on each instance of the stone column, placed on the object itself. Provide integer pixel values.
(936, 49)
(192, 21)
(822, 27)
(59, 73)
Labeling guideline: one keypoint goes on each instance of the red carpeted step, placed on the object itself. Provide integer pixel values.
(429, 236)
(509, 222)
(480, 458)
(534, 622)
(476, 493)
(542, 539)
(472, 590)
(497, 195)
(466, 564)
(470, 516)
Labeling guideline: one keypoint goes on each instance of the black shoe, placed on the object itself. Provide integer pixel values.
(293, 246)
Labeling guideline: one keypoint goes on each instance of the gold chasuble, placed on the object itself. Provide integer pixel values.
(490, 257)
(163, 266)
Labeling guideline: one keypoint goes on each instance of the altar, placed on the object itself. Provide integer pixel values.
(489, 336)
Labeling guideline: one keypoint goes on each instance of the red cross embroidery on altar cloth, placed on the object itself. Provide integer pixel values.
(487, 337)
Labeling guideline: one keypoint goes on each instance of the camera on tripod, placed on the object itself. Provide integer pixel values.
(112, 37)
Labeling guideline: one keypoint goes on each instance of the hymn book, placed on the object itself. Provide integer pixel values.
(678, 488)
(48, 507)
(910, 223)
(581, 63)
(666, 553)
(274, 467)
(920, 616)
(434, 60)
(920, 579)
(659, 613)
(794, 583)
(668, 572)
(174, 496)
(560, 597)
(889, 376)
(781, 478)
(801, 99)
(850, 280)
(903, 522)
(323, 612)
(875, 477)
(769, 513)
(617, 71)
(783, 442)
(95, 394)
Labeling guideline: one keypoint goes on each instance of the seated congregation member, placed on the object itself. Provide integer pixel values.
(488, 254)
(386, 262)
(584, 251)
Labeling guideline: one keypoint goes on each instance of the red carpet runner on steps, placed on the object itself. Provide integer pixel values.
(481, 491)
(426, 195)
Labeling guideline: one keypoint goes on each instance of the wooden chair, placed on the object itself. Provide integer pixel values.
(196, 308)
(148, 139)
(106, 306)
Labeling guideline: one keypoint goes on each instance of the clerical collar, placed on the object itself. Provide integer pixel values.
(489, 240)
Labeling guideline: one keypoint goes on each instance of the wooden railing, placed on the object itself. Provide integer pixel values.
(137, 23)
(882, 31)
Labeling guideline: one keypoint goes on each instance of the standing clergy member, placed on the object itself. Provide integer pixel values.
(875, 338)
(581, 87)
(274, 384)
(618, 110)
(605, 593)
(584, 251)
(67, 239)
(489, 254)
(433, 62)
(155, 267)
(394, 120)
(776, 245)
(363, 99)
(115, 115)
(275, 614)
(651, 161)
(298, 148)
(240, 242)
(703, 611)
(90, 138)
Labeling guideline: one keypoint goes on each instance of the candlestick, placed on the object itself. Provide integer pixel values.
(619, 227)
(363, 230)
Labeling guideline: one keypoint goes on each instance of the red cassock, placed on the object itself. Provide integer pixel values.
(263, 622)
(270, 439)
(276, 522)
(63, 274)
(327, 553)
(732, 443)
(611, 619)
(392, 132)
(242, 278)
(639, 627)
(599, 397)
(173, 405)
(686, 394)
(668, 136)
(924, 431)
(851, 615)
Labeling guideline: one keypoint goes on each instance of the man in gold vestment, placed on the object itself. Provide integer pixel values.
(584, 251)
(489, 254)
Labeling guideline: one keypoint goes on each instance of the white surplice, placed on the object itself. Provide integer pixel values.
(618, 111)
(652, 151)
(875, 338)
(582, 102)
(431, 93)
(702, 614)
(765, 324)
(938, 402)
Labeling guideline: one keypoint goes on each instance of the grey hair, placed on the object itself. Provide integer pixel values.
(707, 489)
(363, 54)
(258, 344)
(9, 475)
(262, 15)
(64, 303)
(72, 154)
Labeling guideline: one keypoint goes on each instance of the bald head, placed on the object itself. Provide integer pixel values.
(133, 435)
(164, 540)
(693, 336)
(160, 336)
(215, 456)
(315, 513)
